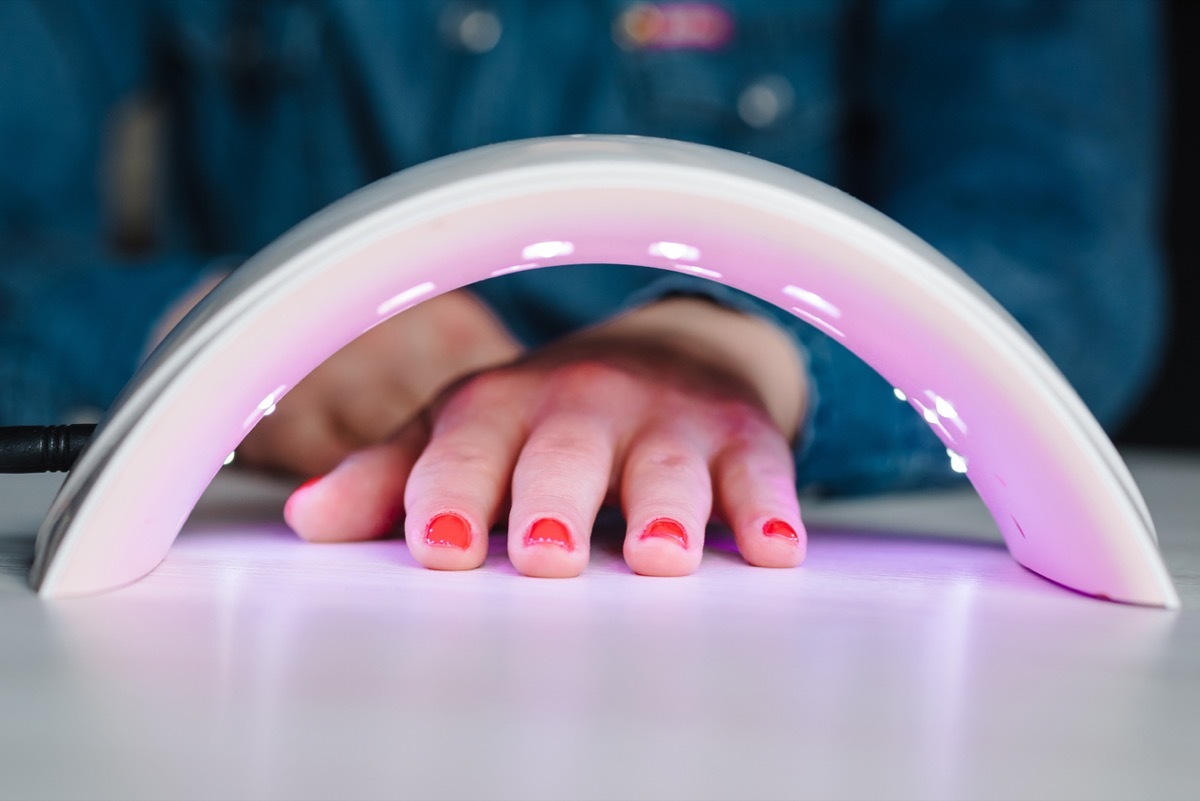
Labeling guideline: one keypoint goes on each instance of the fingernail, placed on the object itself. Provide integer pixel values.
(549, 530)
(778, 528)
(667, 528)
(448, 529)
(297, 493)
(307, 484)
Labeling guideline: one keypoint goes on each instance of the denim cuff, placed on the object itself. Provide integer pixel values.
(73, 333)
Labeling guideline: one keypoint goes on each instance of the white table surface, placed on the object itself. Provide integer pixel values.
(909, 658)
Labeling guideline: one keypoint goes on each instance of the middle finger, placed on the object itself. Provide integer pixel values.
(558, 486)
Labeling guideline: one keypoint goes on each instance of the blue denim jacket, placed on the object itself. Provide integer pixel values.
(1019, 137)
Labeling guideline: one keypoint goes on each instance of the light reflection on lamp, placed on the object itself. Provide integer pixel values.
(931, 416)
(265, 407)
(674, 251)
(899, 393)
(229, 459)
(944, 411)
(812, 299)
(818, 322)
(547, 250)
(516, 268)
(944, 408)
(405, 299)
(270, 401)
(957, 463)
(692, 268)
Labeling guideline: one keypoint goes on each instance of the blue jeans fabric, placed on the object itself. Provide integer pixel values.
(1019, 137)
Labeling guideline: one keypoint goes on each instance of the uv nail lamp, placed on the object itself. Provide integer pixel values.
(1064, 501)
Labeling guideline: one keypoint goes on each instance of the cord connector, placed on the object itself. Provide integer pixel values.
(42, 449)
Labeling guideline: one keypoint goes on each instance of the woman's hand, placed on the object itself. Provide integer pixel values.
(677, 412)
(368, 389)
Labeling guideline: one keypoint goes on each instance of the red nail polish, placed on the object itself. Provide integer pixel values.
(289, 508)
(667, 528)
(307, 484)
(448, 529)
(548, 530)
(778, 528)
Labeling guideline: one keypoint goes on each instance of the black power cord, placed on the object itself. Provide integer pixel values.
(41, 449)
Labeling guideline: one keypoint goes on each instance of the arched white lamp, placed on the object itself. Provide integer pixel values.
(1059, 492)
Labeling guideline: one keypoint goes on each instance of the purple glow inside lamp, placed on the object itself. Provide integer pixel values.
(1056, 487)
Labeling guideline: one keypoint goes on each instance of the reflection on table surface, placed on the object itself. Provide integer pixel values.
(910, 656)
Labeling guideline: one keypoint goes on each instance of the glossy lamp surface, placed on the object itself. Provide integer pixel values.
(1057, 489)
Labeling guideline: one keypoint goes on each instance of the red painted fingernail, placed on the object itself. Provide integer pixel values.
(299, 492)
(448, 529)
(549, 530)
(667, 528)
(307, 484)
(778, 528)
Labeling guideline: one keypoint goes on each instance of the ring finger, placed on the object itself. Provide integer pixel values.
(666, 493)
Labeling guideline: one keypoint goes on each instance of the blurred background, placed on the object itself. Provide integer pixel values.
(1170, 414)
(1167, 415)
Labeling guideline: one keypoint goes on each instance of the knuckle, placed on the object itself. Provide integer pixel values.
(480, 389)
(569, 444)
(480, 386)
(466, 454)
(458, 457)
(582, 378)
(742, 423)
(668, 456)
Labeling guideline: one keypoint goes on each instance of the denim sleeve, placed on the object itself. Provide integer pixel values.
(73, 328)
(74, 317)
(1022, 140)
(1019, 139)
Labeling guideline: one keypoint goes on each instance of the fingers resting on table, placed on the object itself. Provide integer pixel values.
(549, 445)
